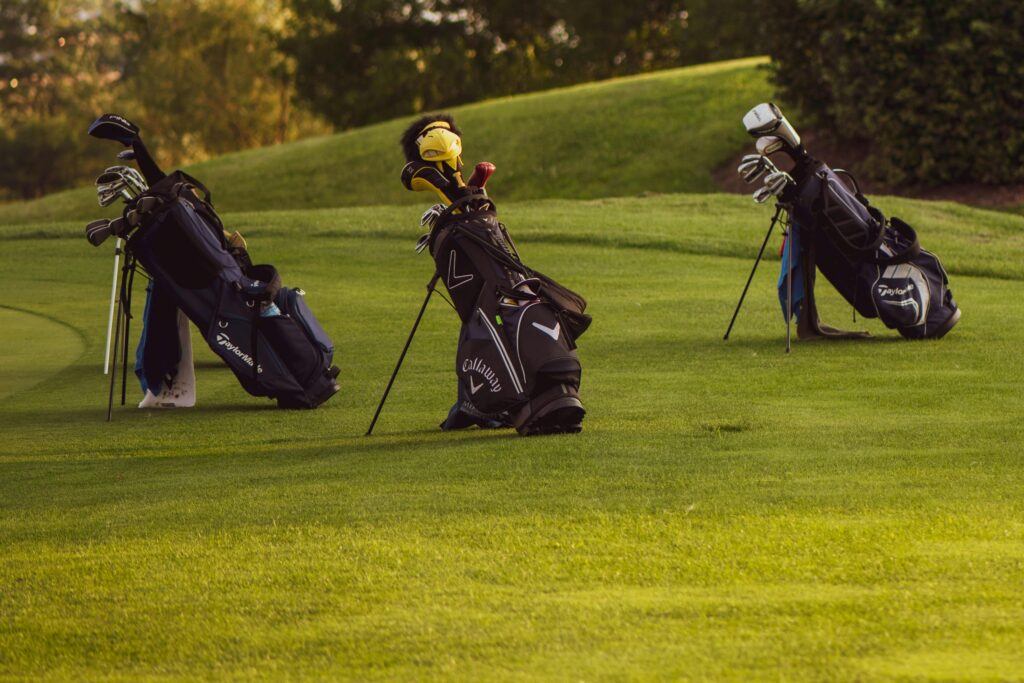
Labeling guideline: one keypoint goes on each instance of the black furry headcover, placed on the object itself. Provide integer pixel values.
(408, 140)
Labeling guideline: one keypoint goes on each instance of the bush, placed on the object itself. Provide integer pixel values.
(934, 88)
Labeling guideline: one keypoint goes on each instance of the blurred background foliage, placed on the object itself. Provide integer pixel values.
(204, 77)
(931, 89)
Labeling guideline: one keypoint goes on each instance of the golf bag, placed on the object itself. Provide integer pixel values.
(876, 264)
(516, 361)
(264, 332)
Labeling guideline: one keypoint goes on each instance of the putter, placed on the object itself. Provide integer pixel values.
(405, 349)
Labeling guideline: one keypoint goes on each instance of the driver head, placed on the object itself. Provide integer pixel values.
(766, 119)
(114, 127)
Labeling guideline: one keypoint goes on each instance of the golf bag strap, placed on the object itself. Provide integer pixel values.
(190, 183)
(461, 205)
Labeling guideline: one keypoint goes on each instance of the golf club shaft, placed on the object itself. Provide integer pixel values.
(408, 342)
(110, 316)
(753, 270)
(126, 282)
(789, 284)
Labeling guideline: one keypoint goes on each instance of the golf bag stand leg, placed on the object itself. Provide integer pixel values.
(110, 315)
(760, 254)
(405, 349)
(127, 282)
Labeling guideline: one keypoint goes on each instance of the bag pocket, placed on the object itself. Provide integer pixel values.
(292, 302)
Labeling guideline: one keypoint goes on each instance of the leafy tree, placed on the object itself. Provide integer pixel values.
(55, 69)
(367, 60)
(205, 78)
(935, 90)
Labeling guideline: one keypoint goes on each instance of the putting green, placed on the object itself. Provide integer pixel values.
(37, 348)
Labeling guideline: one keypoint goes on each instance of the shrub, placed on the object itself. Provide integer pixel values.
(934, 88)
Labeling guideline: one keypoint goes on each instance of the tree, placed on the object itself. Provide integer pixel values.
(935, 90)
(55, 65)
(367, 60)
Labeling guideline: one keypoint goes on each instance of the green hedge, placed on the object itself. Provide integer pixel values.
(933, 88)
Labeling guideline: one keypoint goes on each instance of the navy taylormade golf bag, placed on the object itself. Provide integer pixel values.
(516, 361)
(265, 333)
(878, 266)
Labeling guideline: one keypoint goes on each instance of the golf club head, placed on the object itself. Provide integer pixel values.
(430, 215)
(777, 182)
(769, 144)
(753, 166)
(125, 175)
(108, 194)
(762, 194)
(481, 174)
(98, 231)
(126, 155)
(114, 127)
(767, 119)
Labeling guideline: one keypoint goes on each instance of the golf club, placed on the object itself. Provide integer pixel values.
(766, 119)
(481, 174)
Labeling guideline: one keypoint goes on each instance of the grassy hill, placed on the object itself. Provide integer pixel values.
(851, 511)
(661, 132)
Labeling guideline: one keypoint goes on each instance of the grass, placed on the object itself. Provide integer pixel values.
(851, 511)
(660, 132)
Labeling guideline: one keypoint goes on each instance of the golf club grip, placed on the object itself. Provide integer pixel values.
(481, 174)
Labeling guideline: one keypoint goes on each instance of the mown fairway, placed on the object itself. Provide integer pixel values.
(851, 511)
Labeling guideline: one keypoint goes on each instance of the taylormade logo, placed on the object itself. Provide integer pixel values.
(885, 290)
(477, 365)
(225, 341)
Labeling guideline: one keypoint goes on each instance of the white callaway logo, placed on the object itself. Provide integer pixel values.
(453, 279)
(225, 341)
(477, 365)
(550, 331)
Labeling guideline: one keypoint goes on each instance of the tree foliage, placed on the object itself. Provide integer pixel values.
(205, 77)
(934, 89)
(366, 60)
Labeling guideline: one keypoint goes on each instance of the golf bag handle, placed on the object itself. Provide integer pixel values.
(192, 183)
(870, 252)
(856, 185)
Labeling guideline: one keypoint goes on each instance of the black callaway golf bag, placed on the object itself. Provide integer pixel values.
(516, 361)
(877, 265)
(265, 333)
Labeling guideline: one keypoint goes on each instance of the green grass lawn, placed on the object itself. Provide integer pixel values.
(851, 511)
(660, 132)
